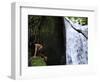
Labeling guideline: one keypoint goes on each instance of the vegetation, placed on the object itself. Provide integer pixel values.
(38, 61)
(79, 20)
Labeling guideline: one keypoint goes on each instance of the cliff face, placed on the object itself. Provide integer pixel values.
(49, 31)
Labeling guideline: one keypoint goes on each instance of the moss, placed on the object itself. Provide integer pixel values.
(38, 61)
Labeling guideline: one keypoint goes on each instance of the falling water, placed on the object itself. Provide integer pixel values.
(76, 43)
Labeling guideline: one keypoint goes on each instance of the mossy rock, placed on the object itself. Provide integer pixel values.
(38, 61)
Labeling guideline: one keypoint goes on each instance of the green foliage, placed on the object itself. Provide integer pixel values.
(79, 20)
(38, 61)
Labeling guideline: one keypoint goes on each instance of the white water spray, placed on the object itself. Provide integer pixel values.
(76, 43)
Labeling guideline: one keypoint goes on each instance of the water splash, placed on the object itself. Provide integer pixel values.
(76, 43)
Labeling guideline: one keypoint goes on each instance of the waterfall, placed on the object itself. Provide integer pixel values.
(76, 43)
